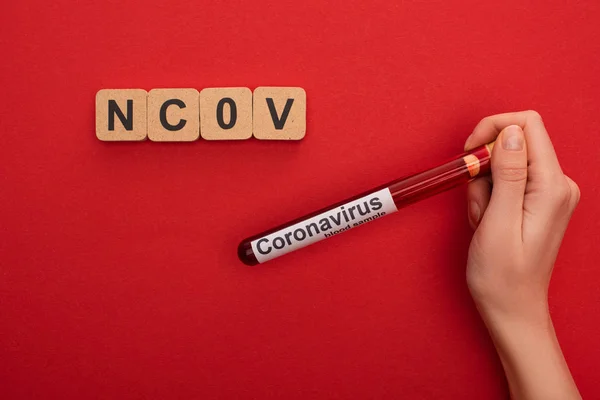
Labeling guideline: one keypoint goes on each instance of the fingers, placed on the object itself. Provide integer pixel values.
(478, 198)
(560, 202)
(541, 154)
(509, 175)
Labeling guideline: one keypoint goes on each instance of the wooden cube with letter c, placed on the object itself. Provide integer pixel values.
(173, 115)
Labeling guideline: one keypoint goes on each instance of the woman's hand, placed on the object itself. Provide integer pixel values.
(520, 217)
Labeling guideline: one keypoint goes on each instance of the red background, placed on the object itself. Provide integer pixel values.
(119, 276)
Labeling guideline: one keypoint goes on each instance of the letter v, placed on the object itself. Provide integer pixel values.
(338, 220)
(279, 122)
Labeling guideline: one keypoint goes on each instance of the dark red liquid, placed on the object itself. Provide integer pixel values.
(404, 191)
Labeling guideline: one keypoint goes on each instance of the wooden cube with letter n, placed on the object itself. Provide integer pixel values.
(279, 113)
(121, 115)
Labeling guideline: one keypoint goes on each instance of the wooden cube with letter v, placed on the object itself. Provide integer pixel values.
(279, 113)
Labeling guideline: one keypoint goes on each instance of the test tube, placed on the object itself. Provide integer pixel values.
(365, 207)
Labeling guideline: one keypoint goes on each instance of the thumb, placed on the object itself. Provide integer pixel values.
(509, 176)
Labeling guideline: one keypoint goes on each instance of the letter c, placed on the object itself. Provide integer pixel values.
(163, 115)
(261, 251)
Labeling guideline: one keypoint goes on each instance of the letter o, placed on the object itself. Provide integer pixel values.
(232, 113)
(278, 246)
(299, 230)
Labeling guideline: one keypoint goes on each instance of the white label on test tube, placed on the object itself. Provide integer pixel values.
(329, 223)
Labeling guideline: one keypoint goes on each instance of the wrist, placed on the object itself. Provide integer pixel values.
(530, 354)
(516, 331)
(500, 305)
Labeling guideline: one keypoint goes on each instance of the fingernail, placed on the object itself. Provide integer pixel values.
(467, 142)
(512, 138)
(474, 213)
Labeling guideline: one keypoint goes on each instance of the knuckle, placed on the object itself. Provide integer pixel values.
(533, 115)
(512, 173)
(561, 195)
(575, 193)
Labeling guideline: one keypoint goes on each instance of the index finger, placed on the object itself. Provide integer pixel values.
(540, 152)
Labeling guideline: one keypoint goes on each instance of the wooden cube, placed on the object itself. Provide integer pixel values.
(121, 115)
(279, 113)
(226, 113)
(173, 115)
